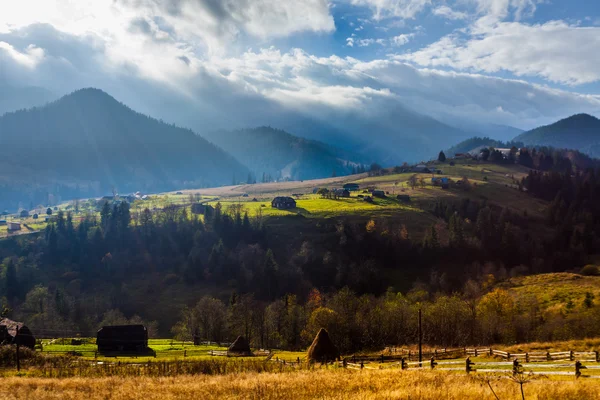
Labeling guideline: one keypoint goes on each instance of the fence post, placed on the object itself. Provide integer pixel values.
(491, 352)
(382, 358)
(597, 356)
(516, 366)
(433, 363)
(578, 368)
(362, 364)
(184, 353)
(526, 357)
(548, 357)
(507, 355)
(403, 363)
(468, 365)
(571, 355)
(475, 351)
(345, 363)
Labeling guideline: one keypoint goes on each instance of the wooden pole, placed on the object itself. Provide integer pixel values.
(420, 341)
(18, 340)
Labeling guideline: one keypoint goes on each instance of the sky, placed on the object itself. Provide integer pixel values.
(212, 64)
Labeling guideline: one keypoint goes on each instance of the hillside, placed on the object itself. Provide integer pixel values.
(275, 152)
(470, 144)
(578, 132)
(89, 140)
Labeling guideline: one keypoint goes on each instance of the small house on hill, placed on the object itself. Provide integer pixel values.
(322, 348)
(13, 226)
(2, 222)
(240, 347)
(122, 339)
(379, 193)
(351, 187)
(341, 192)
(283, 203)
(17, 333)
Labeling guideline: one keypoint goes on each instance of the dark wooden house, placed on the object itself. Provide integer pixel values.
(13, 332)
(122, 339)
(351, 187)
(283, 203)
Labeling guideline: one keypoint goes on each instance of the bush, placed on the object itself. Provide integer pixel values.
(590, 270)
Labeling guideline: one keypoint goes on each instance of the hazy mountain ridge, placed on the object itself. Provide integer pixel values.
(90, 136)
(281, 154)
(578, 132)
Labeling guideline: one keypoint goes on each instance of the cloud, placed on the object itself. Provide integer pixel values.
(402, 39)
(448, 13)
(555, 51)
(382, 9)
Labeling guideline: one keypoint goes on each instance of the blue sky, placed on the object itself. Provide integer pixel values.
(514, 62)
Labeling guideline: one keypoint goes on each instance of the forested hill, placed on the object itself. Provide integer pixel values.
(473, 143)
(580, 132)
(281, 155)
(91, 139)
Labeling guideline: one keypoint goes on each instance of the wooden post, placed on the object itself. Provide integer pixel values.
(362, 364)
(597, 356)
(548, 358)
(420, 341)
(571, 355)
(184, 353)
(382, 358)
(491, 352)
(526, 357)
(18, 340)
(475, 351)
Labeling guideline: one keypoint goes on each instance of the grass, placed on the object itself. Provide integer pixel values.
(319, 383)
(554, 290)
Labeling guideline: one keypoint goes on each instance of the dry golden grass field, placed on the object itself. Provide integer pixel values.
(317, 384)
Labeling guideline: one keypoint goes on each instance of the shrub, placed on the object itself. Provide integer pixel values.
(590, 270)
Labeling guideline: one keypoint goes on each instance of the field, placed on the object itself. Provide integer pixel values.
(496, 184)
(307, 384)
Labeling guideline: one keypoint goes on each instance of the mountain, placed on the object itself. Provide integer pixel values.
(579, 132)
(90, 140)
(17, 98)
(275, 152)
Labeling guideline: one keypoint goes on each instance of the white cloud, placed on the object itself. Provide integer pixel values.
(448, 13)
(555, 50)
(402, 39)
(29, 58)
(382, 9)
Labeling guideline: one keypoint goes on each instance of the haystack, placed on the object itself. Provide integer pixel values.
(240, 347)
(322, 348)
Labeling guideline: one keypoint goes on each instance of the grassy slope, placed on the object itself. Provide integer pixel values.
(554, 290)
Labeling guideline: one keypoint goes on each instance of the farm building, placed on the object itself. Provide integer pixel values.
(341, 192)
(17, 333)
(322, 348)
(351, 187)
(122, 339)
(378, 193)
(2, 222)
(283, 203)
(240, 347)
(24, 214)
(404, 198)
(13, 226)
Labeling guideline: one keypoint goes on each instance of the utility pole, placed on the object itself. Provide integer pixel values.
(18, 340)
(420, 341)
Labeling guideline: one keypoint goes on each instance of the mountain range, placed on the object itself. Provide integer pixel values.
(89, 140)
(274, 152)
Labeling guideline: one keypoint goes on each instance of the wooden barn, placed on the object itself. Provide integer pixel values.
(122, 339)
(283, 203)
(351, 187)
(13, 332)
